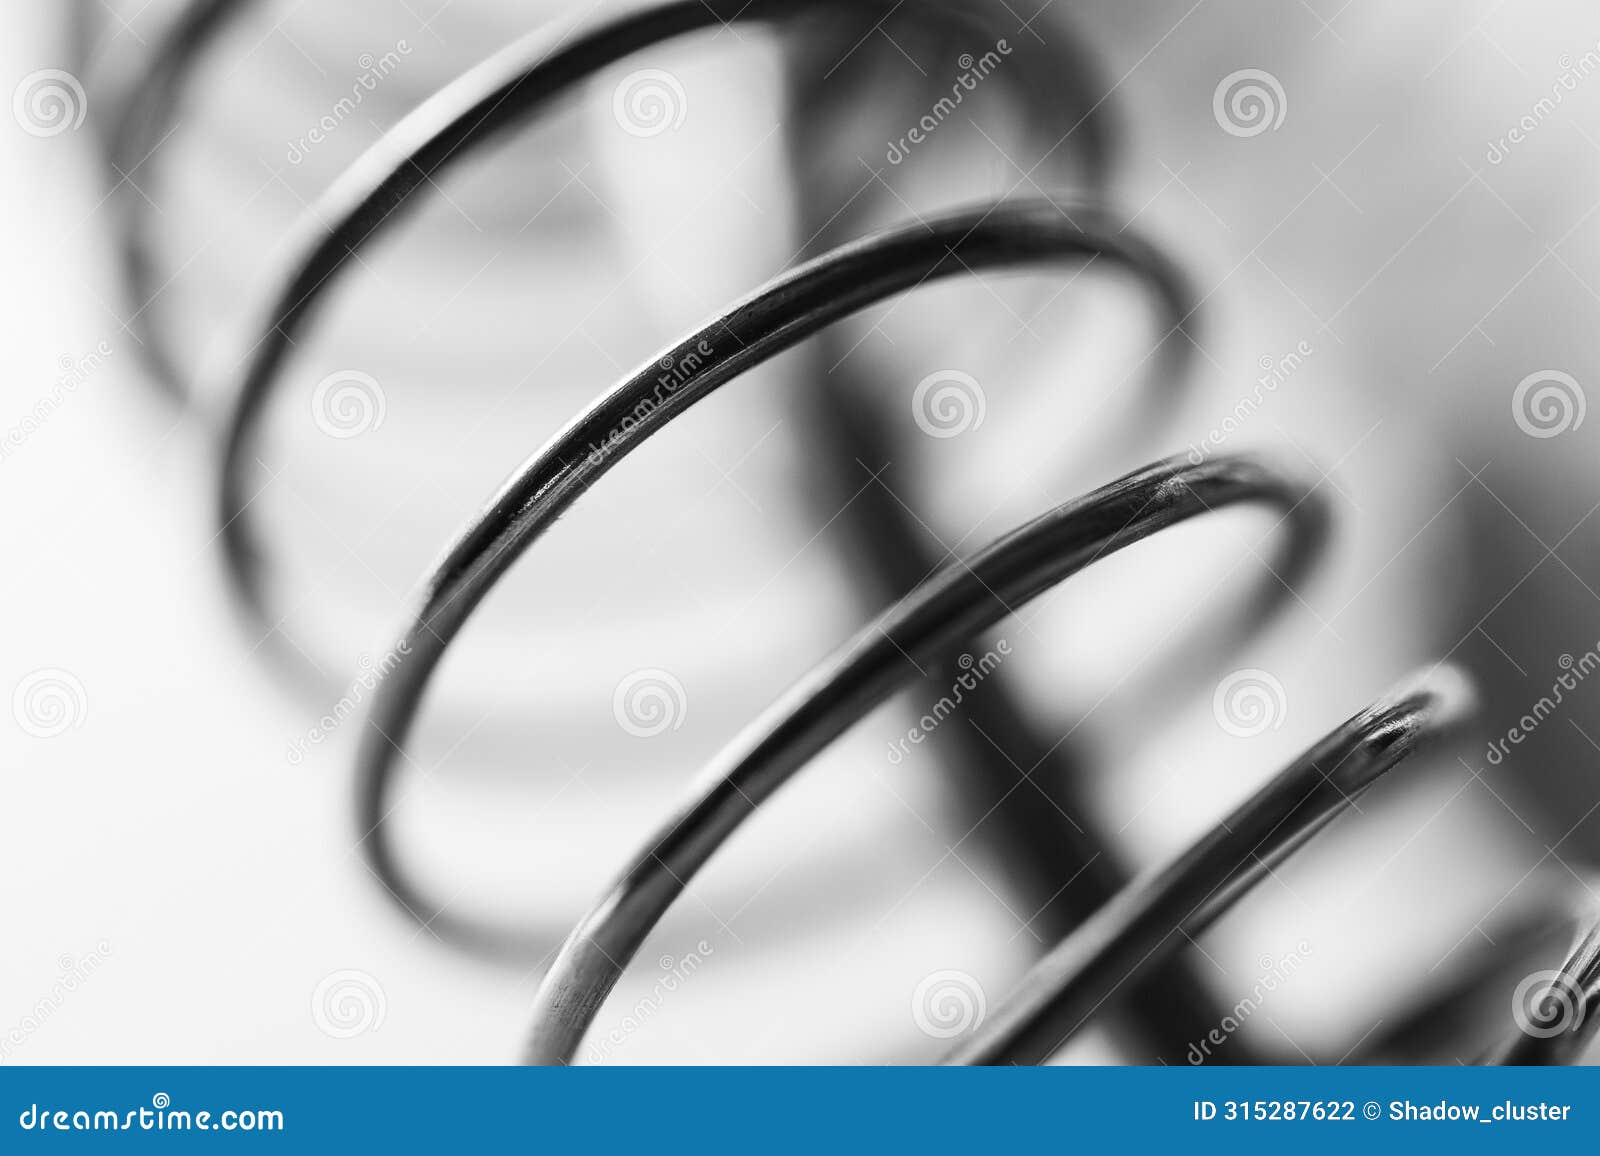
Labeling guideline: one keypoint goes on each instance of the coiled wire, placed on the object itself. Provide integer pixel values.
(1119, 941)
(513, 87)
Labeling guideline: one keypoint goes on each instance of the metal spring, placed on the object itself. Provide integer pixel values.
(1119, 941)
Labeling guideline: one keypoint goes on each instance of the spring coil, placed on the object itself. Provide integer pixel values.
(1119, 941)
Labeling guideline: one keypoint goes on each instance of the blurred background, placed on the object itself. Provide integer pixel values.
(1387, 223)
